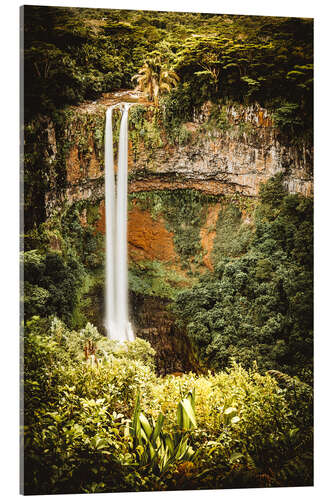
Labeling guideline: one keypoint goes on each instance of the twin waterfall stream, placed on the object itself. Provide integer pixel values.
(116, 302)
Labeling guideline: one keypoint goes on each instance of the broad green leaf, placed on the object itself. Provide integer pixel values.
(145, 425)
(169, 443)
(189, 411)
(157, 428)
(140, 449)
(179, 416)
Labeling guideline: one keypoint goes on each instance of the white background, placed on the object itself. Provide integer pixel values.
(9, 237)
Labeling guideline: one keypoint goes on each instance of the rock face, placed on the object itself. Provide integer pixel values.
(155, 323)
(233, 159)
(237, 159)
(148, 239)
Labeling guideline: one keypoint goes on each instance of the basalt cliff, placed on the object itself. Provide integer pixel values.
(195, 170)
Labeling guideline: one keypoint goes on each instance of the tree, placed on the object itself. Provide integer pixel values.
(258, 303)
(154, 78)
(203, 56)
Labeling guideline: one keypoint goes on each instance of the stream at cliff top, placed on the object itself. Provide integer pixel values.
(116, 294)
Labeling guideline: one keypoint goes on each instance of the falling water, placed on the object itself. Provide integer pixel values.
(116, 310)
(109, 227)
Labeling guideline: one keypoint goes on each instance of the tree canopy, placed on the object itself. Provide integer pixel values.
(258, 305)
(75, 54)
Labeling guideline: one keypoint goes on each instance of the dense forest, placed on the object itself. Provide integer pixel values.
(100, 416)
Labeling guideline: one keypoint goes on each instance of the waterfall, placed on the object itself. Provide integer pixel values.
(116, 302)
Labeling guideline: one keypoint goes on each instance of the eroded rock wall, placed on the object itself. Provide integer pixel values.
(237, 158)
(227, 161)
(155, 323)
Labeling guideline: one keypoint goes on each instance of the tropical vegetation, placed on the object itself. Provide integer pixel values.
(153, 78)
(106, 423)
(101, 416)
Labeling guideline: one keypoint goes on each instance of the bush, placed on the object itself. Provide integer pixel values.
(74, 411)
(51, 284)
(258, 303)
(248, 433)
(248, 428)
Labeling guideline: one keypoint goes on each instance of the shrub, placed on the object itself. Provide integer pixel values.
(51, 284)
(247, 430)
(258, 303)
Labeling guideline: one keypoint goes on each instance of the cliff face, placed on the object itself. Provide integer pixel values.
(237, 158)
(221, 159)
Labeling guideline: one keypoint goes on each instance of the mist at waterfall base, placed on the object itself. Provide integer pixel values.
(116, 322)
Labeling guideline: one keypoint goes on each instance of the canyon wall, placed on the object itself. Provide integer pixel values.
(224, 160)
(237, 159)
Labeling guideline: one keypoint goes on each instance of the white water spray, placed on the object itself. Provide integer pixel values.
(116, 303)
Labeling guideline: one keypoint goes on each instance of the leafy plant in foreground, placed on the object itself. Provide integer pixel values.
(160, 450)
(86, 429)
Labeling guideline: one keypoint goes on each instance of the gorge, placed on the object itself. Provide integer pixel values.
(204, 171)
(167, 251)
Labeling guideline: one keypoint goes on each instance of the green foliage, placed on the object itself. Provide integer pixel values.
(50, 284)
(74, 411)
(60, 282)
(232, 236)
(177, 108)
(253, 59)
(161, 450)
(219, 122)
(218, 117)
(243, 58)
(286, 117)
(155, 77)
(80, 57)
(140, 350)
(236, 413)
(35, 173)
(144, 127)
(85, 429)
(258, 305)
(82, 239)
(177, 105)
(152, 278)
